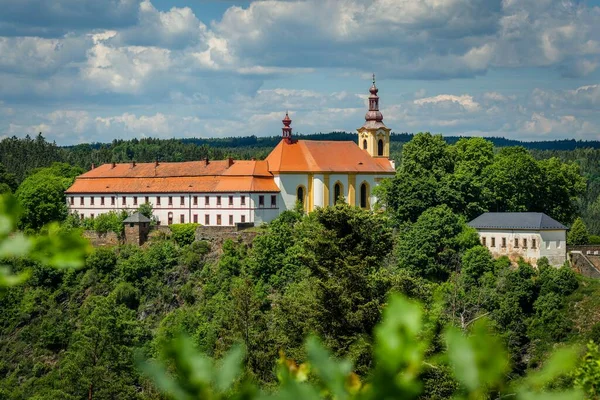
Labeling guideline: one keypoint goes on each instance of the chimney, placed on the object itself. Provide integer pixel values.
(93, 165)
(253, 159)
(133, 164)
(156, 163)
(230, 160)
(114, 164)
(206, 161)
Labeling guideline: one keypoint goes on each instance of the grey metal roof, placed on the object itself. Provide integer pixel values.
(137, 217)
(515, 220)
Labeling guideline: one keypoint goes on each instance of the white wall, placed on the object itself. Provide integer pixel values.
(530, 254)
(554, 246)
(288, 183)
(251, 211)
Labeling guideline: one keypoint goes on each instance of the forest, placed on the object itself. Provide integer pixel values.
(345, 303)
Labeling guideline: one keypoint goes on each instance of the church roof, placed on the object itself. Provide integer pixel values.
(178, 177)
(325, 156)
(516, 220)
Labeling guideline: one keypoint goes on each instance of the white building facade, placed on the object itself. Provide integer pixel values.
(526, 235)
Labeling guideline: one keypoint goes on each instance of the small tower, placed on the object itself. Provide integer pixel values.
(374, 136)
(286, 131)
(137, 227)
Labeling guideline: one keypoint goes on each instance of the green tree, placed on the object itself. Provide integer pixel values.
(42, 195)
(578, 234)
(8, 181)
(587, 375)
(433, 245)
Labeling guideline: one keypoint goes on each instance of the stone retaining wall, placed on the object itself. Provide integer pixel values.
(100, 240)
(584, 265)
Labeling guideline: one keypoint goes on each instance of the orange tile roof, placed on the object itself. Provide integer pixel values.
(180, 177)
(325, 156)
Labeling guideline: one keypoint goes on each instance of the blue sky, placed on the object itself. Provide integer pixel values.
(87, 71)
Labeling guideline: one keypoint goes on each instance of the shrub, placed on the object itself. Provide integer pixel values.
(109, 222)
(102, 259)
(127, 295)
(184, 234)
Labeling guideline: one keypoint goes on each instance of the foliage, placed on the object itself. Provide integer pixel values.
(578, 234)
(183, 234)
(587, 375)
(470, 179)
(111, 221)
(42, 195)
(478, 362)
(54, 247)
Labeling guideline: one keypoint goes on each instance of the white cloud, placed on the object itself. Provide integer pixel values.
(444, 100)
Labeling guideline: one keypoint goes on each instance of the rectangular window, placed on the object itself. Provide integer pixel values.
(195, 218)
(206, 219)
(493, 242)
(124, 200)
(218, 200)
(525, 243)
(206, 200)
(81, 216)
(273, 201)
(230, 200)
(170, 200)
(135, 200)
(102, 200)
(484, 241)
(243, 200)
(516, 242)
(533, 243)
(92, 216)
(503, 242)
(231, 220)
(195, 200)
(243, 218)
(81, 200)
(261, 201)
(147, 200)
(112, 200)
(91, 200)
(182, 200)
(182, 218)
(72, 200)
(218, 219)
(158, 200)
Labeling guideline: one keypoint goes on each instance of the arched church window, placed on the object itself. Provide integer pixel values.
(380, 147)
(300, 194)
(337, 192)
(365, 144)
(364, 195)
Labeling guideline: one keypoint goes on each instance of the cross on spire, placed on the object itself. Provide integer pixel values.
(373, 78)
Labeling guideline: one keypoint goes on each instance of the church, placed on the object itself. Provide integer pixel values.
(315, 173)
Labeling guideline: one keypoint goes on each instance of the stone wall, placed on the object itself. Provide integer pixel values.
(588, 249)
(100, 240)
(584, 265)
(218, 234)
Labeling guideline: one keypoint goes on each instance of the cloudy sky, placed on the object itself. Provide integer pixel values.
(96, 70)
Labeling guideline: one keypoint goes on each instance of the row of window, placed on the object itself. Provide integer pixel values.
(503, 244)
(194, 219)
(338, 189)
(113, 200)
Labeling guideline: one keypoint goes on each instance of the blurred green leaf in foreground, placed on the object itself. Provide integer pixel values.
(52, 246)
(478, 360)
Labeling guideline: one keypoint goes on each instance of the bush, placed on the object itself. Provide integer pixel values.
(184, 234)
(102, 260)
(109, 222)
(127, 295)
(594, 239)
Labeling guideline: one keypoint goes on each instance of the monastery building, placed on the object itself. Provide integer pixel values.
(226, 192)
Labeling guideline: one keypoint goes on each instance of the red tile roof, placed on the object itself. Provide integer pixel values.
(325, 156)
(181, 177)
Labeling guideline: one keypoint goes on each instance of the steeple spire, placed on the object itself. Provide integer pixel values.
(286, 131)
(374, 114)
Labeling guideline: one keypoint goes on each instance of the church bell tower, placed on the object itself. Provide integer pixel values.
(374, 136)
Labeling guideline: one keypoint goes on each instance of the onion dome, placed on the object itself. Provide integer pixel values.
(374, 114)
